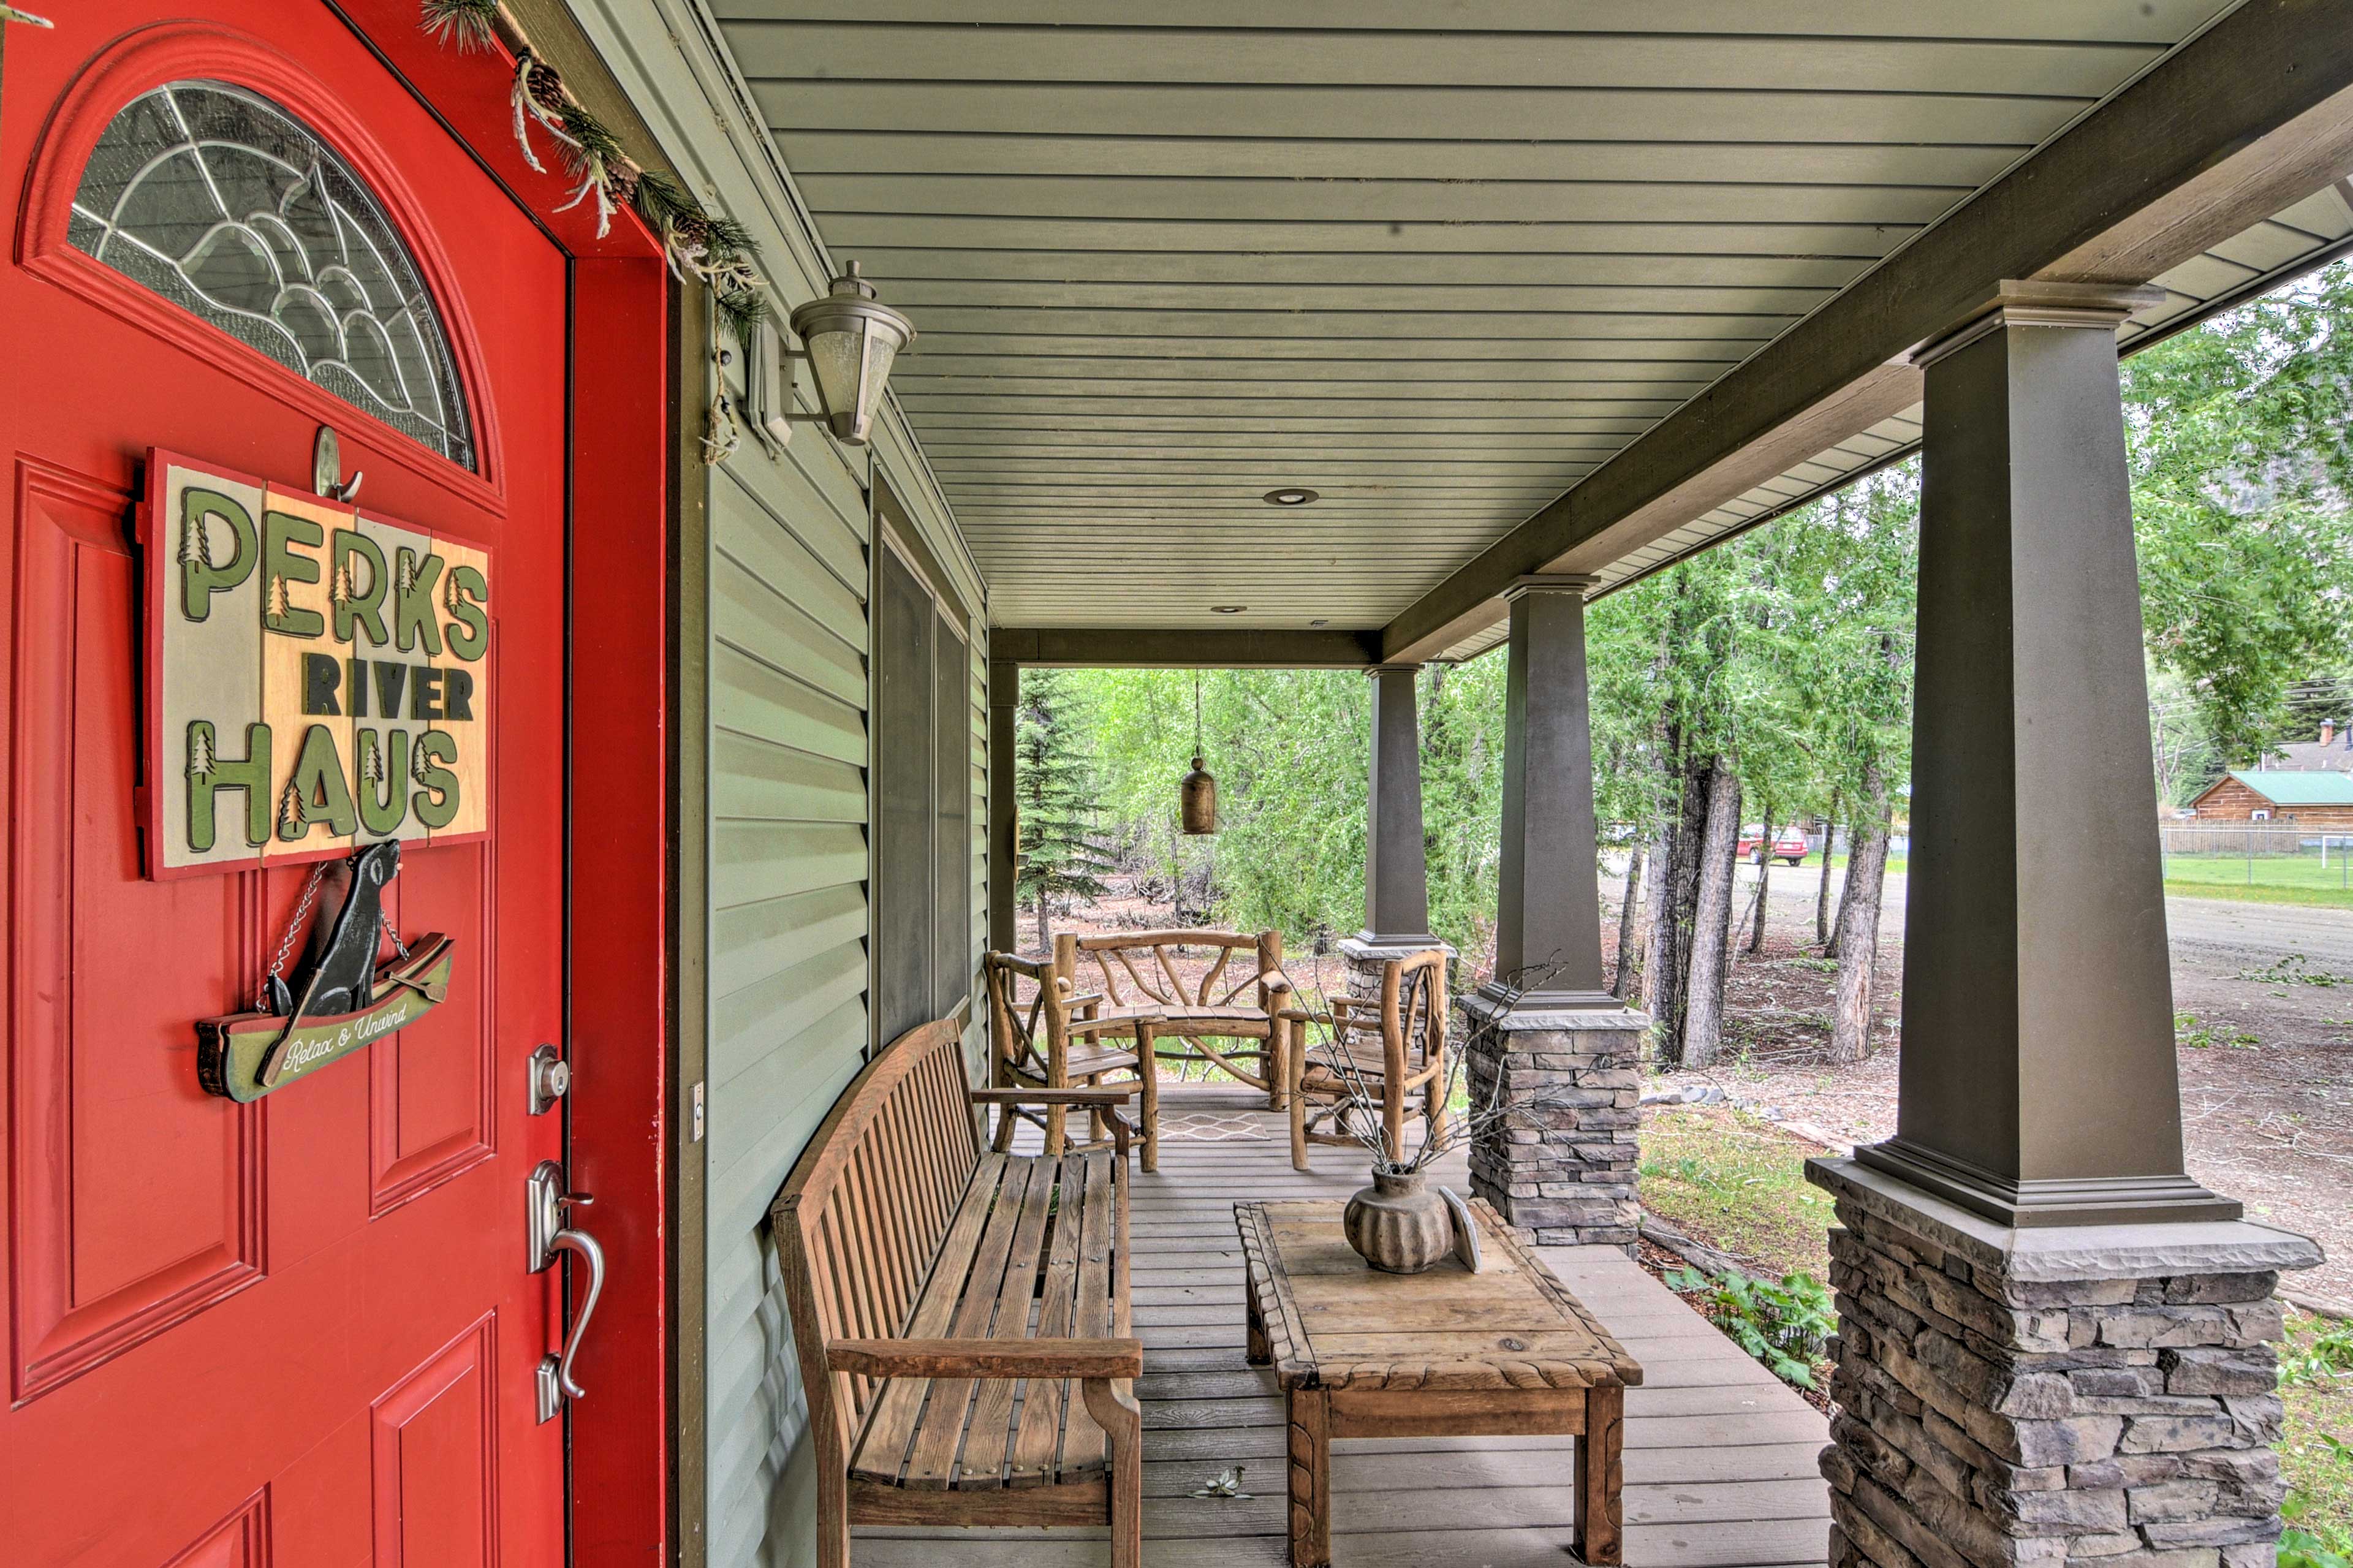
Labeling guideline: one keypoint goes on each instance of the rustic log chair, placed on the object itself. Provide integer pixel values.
(1156, 1006)
(912, 1261)
(1043, 1042)
(1390, 1045)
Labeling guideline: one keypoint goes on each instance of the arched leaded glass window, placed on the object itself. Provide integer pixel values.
(223, 202)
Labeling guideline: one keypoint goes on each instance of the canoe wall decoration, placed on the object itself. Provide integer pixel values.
(340, 999)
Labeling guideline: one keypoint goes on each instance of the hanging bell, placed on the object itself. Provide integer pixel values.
(1197, 800)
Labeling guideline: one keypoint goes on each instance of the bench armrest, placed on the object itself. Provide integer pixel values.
(1110, 1096)
(987, 1358)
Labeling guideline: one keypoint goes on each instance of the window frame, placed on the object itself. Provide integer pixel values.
(172, 52)
(896, 538)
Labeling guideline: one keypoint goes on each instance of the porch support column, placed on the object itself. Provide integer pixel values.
(1004, 849)
(1396, 876)
(2052, 1344)
(1566, 1171)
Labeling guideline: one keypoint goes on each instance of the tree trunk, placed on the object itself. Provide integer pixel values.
(1044, 937)
(1822, 893)
(1624, 986)
(1674, 903)
(1859, 929)
(1711, 944)
(1764, 883)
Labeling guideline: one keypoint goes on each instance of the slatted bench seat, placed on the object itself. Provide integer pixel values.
(961, 1315)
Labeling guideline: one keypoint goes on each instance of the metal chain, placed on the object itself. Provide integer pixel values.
(293, 928)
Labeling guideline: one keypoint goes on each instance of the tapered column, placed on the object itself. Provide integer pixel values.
(2038, 1083)
(1549, 915)
(1397, 881)
(1004, 848)
(1567, 1171)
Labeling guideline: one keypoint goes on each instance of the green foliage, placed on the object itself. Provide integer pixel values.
(1053, 789)
(2322, 1353)
(2242, 453)
(1787, 1326)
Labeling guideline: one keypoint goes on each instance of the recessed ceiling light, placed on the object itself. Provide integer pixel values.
(1228, 609)
(1319, 623)
(1291, 495)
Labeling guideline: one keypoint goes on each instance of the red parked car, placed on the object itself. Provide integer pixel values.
(1790, 845)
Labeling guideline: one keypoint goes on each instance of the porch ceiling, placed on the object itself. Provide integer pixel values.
(1437, 263)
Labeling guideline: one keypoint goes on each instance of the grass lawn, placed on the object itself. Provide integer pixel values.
(2276, 880)
(1896, 863)
(1739, 1183)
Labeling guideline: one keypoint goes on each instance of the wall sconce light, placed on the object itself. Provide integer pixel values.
(850, 340)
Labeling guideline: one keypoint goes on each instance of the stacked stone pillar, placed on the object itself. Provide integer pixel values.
(1547, 1026)
(2055, 1346)
(2049, 1397)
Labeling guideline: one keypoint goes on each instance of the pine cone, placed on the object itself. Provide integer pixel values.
(692, 229)
(546, 87)
(621, 182)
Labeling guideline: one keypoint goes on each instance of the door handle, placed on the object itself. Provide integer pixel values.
(549, 1235)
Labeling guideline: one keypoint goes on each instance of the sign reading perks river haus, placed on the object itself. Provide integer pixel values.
(319, 677)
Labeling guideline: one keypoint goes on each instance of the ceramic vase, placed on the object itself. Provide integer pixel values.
(1399, 1225)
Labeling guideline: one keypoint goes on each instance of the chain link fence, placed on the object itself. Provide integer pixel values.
(2287, 855)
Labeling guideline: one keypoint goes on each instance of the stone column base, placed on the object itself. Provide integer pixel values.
(1364, 956)
(1566, 1173)
(2049, 1395)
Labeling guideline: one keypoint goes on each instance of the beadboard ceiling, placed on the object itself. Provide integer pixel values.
(1433, 258)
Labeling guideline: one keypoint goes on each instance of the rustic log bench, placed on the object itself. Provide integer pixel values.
(944, 1298)
(1157, 1009)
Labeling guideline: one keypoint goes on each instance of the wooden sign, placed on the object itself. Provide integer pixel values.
(248, 1055)
(317, 677)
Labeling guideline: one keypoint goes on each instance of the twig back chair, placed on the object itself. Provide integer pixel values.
(1141, 985)
(1382, 1049)
(1044, 1041)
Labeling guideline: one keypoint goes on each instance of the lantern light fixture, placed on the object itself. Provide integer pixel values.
(850, 339)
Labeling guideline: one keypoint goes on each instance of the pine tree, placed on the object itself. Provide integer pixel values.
(292, 812)
(195, 545)
(1053, 789)
(340, 591)
(280, 604)
(418, 763)
(200, 752)
(372, 765)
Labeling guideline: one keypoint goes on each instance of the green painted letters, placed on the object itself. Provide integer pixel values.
(469, 628)
(413, 582)
(382, 784)
(280, 564)
(200, 576)
(437, 805)
(209, 773)
(353, 605)
(319, 786)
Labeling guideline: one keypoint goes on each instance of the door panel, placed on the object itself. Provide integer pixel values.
(299, 1332)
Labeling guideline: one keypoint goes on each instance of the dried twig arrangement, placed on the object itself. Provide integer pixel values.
(1358, 1111)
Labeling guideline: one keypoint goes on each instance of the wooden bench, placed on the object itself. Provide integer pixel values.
(1155, 1005)
(945, 1301)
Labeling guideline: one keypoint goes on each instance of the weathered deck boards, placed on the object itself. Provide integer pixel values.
(1720, 1469)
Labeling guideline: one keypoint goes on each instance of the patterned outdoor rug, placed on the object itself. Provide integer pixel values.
(1214, 1126)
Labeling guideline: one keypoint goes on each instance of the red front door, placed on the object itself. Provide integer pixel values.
(299, 1332)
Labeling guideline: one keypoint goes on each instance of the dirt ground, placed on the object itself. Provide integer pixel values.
(2265, 1049)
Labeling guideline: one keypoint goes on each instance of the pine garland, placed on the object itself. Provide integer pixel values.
(470, 24)
(699, 244)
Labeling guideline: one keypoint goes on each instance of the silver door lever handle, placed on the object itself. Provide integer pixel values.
(581, 1242)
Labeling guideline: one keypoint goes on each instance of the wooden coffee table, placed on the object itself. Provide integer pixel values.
(1507, 1352)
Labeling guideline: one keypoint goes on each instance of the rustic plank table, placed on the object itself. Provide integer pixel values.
(1506, 1352)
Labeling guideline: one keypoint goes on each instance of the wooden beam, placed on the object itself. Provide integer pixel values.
(2247, 118)
(1182, 647)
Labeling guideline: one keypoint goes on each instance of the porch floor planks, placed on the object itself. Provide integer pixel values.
(1720, 1458)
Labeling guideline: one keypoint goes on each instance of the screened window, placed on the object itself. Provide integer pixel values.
(922, 725)
(227, 205)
